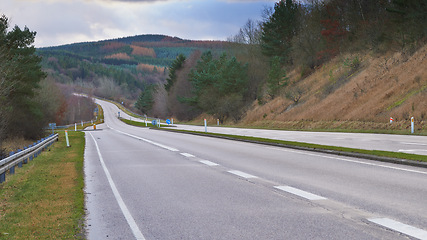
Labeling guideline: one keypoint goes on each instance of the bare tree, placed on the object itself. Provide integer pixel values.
(250, 33)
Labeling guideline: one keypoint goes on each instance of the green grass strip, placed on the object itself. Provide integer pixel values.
(45, 199)
(134, 123)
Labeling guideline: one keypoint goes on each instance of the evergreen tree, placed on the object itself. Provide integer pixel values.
(279, 29)
(145, 101)
(21, 75)
(175, 66)
(219, 85)
(276, 77)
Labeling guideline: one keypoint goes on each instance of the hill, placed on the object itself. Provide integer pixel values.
(118, 68)
(347, 96)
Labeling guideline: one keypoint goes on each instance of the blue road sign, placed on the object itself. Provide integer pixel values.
(168, 121)
(154, 122)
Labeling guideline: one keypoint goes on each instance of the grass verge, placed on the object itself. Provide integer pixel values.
(45, 198)
(134, 123)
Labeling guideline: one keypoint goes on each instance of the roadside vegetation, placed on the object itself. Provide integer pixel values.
(30, 98)
(45, 199)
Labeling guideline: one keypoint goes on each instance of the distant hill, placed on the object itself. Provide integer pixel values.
(118, 68)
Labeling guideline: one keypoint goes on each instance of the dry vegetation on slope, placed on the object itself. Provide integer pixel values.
(341, 95)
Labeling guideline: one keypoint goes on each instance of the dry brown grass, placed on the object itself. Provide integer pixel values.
(15, 144)
(149, 68)
(142, 51)
(387, 86)
(121, 56)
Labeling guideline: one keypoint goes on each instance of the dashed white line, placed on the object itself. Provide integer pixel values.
(400, 227)
(128, 216)
(242, 174)
(146, 140)
(301, 193)
(209, 163)
(187, 155)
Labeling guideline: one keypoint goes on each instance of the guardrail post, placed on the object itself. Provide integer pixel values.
(12, 170)
(3, 177)
(20, 164)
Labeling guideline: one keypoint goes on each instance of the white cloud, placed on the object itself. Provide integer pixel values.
(61, 21)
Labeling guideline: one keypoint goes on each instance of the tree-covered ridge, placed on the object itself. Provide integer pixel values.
(127, 65)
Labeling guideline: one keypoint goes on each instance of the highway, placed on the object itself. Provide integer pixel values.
(148, 184)
(387, 142)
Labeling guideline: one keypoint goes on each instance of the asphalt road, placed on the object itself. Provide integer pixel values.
(148, 184)
(387, 142)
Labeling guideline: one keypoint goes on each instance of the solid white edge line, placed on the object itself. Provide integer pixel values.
(301, 193)
(209, 163)
(242, 174)
(409, 143)
(348, 160)
(400, 227)
(130, 220)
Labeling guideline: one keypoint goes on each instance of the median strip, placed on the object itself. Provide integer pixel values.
(384, 156)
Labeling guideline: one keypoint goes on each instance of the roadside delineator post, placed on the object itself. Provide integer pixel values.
(206, 126)
(66, 138)
(391, 120)
(412, 125)
(75, 126)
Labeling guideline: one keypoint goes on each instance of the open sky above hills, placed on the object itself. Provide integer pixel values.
(60, 22)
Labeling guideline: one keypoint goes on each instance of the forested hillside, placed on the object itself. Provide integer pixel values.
(308, 61)
(118, 69)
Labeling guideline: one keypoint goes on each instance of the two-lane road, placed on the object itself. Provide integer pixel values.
(147, 184)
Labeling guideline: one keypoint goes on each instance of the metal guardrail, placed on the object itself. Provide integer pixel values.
(23, 156)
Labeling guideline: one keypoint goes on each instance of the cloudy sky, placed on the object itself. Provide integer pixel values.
(60, 22)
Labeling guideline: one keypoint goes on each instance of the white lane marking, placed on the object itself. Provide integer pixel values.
(209, 163)
(348, 160)
(146, 140)
(400, 227)
(301, 193)
(131, 221)
(409, 143)
(187, 155)
(412, 150)
(242, 174)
